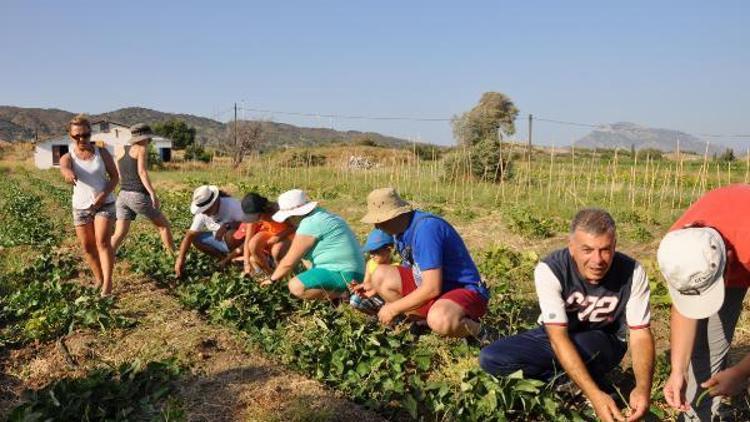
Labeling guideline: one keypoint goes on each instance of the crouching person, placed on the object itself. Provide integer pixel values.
(216, 217)
(438, 282)
(326, 241)
(590, 297)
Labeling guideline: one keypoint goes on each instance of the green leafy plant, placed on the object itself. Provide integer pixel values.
(40, 305)
(523, 221)
(131, 391)
(22, 218)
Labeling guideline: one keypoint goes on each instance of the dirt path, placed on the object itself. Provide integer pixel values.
(227, 379)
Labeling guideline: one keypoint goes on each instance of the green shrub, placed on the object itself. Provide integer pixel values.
(301, 158)
(523, 221)
(485, 160)
(197, 153)
(40, 305)
(428, 152)
(154, 159)
(507, 272)
(23, 220)
(640, 233)
(129, 392)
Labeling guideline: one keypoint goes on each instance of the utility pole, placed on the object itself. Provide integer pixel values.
(528, 147)
(235, 125)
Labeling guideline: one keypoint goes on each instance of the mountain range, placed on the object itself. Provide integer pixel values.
(626, 135)
(27, 124)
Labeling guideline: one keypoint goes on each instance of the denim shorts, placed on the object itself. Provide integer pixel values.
(208, 238)
(83, 217)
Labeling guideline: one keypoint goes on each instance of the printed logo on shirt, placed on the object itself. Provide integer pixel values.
(592, 308)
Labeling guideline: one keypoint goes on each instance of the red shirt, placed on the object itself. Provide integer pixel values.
(727, 210)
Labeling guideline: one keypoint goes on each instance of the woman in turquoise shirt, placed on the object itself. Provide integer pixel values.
(324, 239)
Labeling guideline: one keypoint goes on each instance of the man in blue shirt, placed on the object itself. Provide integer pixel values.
(438, 280)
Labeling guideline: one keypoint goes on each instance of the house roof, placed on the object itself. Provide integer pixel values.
(110, 122)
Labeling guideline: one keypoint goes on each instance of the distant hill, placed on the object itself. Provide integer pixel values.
(23, 124)
(625, 135)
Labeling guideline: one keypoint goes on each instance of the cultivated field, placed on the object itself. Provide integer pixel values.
(214, 346)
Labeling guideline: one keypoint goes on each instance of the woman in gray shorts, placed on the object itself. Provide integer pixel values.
(137, 195)
(93, 174)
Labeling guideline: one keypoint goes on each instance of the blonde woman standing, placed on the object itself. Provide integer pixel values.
(137, 194)
(93, 174)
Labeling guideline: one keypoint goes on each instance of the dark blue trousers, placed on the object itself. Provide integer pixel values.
(531, 352)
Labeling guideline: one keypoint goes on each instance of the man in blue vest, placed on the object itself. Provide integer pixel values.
(591, 298)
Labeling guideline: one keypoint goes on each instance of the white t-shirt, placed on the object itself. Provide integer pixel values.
(230, 211)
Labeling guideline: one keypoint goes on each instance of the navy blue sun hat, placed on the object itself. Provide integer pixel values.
(376, 240)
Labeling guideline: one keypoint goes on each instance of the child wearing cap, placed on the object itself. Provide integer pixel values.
(379, 248)
(266, 241)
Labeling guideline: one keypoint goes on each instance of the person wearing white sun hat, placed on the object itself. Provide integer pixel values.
(324, 239)
(216, 217)
(705, 259)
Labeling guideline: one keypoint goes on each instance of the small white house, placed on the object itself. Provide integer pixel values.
(104, 134)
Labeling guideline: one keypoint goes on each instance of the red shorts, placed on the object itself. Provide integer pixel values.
(474, 304)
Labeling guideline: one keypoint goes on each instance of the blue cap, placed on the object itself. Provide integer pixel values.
(376, 240)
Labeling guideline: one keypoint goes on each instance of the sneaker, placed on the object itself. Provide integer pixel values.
(371, 305)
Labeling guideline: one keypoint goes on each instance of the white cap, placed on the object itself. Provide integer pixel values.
(693, 261)
(293, 202)
(203, 198)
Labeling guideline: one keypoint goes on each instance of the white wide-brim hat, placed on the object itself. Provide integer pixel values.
(293, 202)
(692, 261)
(203, 198)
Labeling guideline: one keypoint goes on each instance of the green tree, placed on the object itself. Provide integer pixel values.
(493, 118)
(728, 155)
(196, 152)
(479, 132)
(178, 131)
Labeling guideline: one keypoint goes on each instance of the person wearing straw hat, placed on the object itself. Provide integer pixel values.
(216, 216)
(592, 299)
(137, 194)
(93, 174)
(438, 281)
(325, 240)
(705, 259)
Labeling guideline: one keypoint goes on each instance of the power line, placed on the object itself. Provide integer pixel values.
(567, 123)
(345, 116)
(444, 119)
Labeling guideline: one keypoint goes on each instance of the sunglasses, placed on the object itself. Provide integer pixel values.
(81, 136)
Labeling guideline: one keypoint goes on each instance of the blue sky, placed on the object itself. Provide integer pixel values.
(679, 65)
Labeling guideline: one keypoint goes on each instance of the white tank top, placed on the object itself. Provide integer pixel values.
(92, 178)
